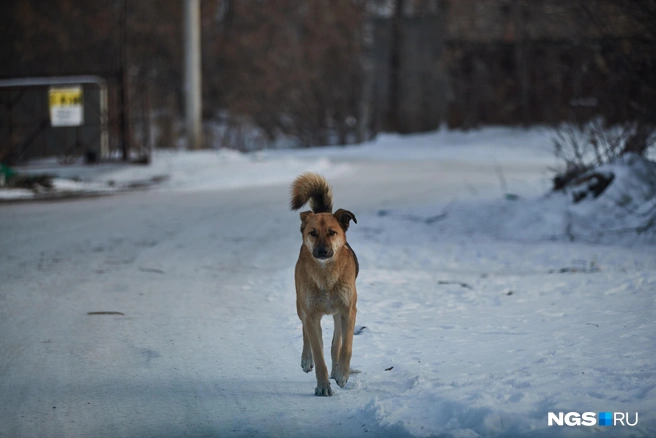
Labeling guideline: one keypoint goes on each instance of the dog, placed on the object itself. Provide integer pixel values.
(325, 280)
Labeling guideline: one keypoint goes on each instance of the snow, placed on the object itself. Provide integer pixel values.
(180, 171)
(492, 144)
(15, 194)
(478, 313)
(488, 336)
(222, 169)
(218, 170)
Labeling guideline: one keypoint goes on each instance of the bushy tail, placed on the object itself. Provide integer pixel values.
(314, 188)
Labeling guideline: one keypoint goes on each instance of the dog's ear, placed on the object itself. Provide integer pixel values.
(304, 215)
(344, 217)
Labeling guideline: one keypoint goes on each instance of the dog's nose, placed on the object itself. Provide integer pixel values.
(322, 252)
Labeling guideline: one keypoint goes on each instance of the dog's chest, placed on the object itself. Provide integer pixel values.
(329, 300)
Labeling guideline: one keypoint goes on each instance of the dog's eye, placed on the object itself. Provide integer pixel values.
(332, 232)
(313, 233)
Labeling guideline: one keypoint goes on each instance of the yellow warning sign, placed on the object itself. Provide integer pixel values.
(66, 96)
(66, 106)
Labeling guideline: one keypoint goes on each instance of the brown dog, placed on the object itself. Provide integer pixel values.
(325, 280)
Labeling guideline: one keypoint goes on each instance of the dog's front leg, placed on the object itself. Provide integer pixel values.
(344, 364)
(336, 346)
(312, 326)
(307, 363)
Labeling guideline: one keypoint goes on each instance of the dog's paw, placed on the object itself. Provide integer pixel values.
(307, 365)
(340, 377)
(323, 392)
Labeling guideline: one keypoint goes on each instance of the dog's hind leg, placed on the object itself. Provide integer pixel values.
(337, 344)
(307, 363)
(312, 326)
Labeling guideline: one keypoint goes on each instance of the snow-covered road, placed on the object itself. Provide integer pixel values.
(483, 335)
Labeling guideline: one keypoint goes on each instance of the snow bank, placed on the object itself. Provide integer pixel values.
(10, 194)
(487, 145)
(222, 169)
(622, 214)
(179, 170)
(626, 207)
(227, 169)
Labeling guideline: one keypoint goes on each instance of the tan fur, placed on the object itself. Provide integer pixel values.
(325, 286)
(312, 188)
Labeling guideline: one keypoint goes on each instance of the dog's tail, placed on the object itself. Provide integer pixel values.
(314, 188)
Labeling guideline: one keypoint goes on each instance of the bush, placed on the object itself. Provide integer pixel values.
(584, 147)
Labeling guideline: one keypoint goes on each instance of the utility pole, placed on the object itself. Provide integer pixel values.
(192, 79)
(393, 122)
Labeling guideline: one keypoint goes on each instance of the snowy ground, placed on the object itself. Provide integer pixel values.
(480, 315)
(227, 169)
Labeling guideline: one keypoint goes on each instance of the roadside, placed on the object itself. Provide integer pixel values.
(222, 169)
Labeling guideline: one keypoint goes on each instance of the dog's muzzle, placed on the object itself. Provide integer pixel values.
(322, 253)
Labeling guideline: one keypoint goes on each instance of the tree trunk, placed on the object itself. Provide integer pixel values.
(394, 85)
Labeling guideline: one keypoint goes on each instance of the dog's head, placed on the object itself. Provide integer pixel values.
(324, 234)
